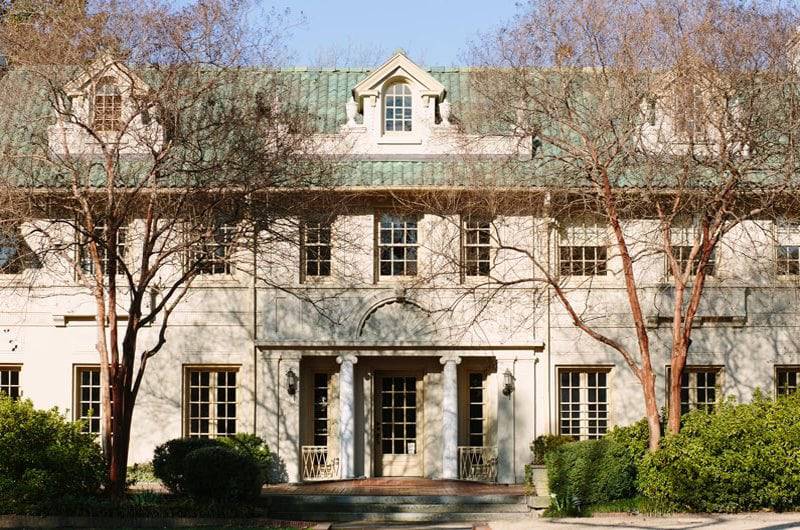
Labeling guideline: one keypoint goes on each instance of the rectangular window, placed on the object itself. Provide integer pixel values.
(477, 248)
(682, 253)
(583, 261)
(212, 403)
(101, 240)
(321, 385)
(699, 388)
(9, 381)
(15, 255)
(87, 398)
(476, 409)
(788, 260)
(786, 380)
(583, 403)
(212, 255)
(397, 245)
(317, 249)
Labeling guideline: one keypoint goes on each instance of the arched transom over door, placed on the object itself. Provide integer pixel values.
(397, 321)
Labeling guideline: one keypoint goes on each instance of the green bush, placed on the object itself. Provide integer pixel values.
(589, 472)
(43, 457)
(254, 447)
(741, 457)
(221, 473)
(544, 444)
(168, 460)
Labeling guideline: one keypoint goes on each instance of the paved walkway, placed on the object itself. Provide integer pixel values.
(756, 521)
(395, 486)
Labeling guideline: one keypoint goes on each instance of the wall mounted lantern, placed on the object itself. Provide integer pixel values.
(508, 382)
(291, 382)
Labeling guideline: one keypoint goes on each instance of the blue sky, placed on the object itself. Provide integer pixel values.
(346, 32)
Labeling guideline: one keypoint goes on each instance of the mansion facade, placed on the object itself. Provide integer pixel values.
(379, 348)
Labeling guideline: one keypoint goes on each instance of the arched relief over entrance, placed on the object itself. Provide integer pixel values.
(397, 320)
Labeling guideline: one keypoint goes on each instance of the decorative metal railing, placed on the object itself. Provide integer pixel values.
(317, 465)
(477, 463)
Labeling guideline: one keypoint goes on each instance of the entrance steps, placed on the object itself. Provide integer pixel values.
(339, 508)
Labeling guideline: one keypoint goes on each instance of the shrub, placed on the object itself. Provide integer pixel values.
(168, 460)
(545, 443)
(221, 473)
(741, 457)
(43, 457)
(589, 472)
(254, 447)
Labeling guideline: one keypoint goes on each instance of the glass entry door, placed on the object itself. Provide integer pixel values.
(398, 418)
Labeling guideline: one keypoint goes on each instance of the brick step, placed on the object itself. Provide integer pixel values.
(400, 508)
(403, 517)
(297, 500)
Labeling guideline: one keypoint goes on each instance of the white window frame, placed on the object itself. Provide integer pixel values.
(85, 261)
(222, 239)
(213, 402)
(7, 385)
(317, 404)
(472, 265)
(584, 417)
(483, 407)
(691, 371)
(323, 250)
(577, 239)
(107, 106)
(788, 369)
(406, 108)
(95, 398)
(398, 222)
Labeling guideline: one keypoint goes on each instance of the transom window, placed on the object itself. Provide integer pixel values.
(476, 409)
(102, 241)
(107, 106)
(212, 255)
(787, 380)
(397, 108)
(87, 398)
(788, 260)
(397, 245)
(212, 402)
(682, 253)
(321, 384)
(583, 403)
(477, 248)
(699, 388)
(9, 381)
(317, 249)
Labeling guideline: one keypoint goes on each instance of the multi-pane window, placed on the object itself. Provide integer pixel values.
(788, 260)
(212, 403)
(102, 241)
(107, 106)
(12, 252)
(699, 388)
(397, 245)
(88, 398)
(476, 409)
(9, 381)
(477, 248)
(583, 403)
(320, 427)
(689, 111)
(212, 254)
(583, 250)
(398, 415)
(682, 254)
(317, 249)
(397, 108)
(787, 380)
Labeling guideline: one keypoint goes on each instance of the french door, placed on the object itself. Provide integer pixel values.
(398, 421)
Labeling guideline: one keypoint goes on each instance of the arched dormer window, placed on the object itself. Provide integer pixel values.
(107, 107)
(397, 109)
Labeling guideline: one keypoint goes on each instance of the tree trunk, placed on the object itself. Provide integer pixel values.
(118, 457)
(651, 409)
(676, 371)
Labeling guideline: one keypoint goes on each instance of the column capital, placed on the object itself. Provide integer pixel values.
(450, 358)
(348, 357)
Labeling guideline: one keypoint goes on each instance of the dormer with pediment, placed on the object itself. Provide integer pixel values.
(106, 102)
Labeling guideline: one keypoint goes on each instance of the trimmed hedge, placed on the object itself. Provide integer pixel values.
(43, 458)
(741, 457)
(254, 447)
(544, 444)
(168, 460)
(221, 473)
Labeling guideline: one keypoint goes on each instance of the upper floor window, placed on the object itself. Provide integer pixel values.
(102, 241)
(14, 253)
(583, 250)
(107, 108)
(682, 255)
(212, 253)
(9, 381)
(477, 248)
(397, 109)
(397, 245)
(689, 112)
(316, 249)
(788, 260)
(787, 380)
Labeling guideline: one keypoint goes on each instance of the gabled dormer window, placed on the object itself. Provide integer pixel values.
(397, 109)
(107, 106)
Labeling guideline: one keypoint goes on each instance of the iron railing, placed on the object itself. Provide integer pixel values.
(477, 463)
(317, 465)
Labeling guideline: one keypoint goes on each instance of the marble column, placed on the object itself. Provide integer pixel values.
(347, 414)
(450, 417)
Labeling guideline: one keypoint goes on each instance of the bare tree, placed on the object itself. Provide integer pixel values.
(680, 114)
(144, 146)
